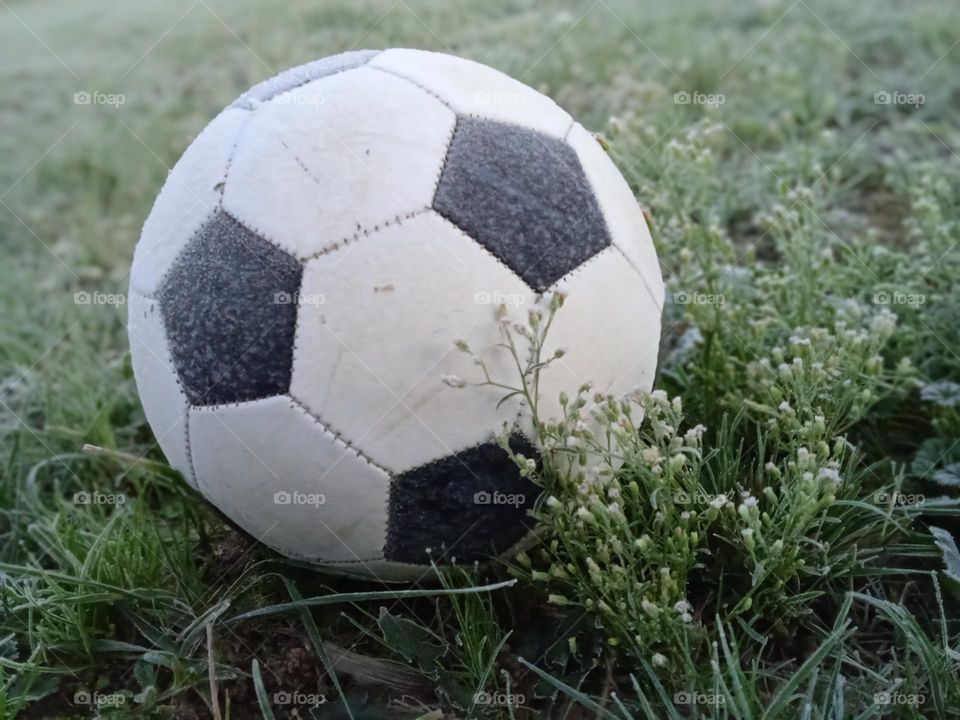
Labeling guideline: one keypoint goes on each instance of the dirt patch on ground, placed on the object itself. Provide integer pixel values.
(884, 211)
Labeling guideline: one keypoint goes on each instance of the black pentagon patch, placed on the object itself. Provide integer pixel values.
(469, 506)
(302, 74)
(523, 196)
(229, 306)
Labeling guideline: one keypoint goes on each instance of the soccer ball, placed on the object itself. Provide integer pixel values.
(307, 268)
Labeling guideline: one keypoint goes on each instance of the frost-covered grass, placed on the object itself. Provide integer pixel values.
(759, 545)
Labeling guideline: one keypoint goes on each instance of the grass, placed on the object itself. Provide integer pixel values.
(776, 542)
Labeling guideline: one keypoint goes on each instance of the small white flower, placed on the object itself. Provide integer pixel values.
(694, 433)
(658, 660)
(884, 322)
(664, 429)
(829, 474)
(650, 608)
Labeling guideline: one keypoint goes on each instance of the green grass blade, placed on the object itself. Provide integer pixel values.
(571, 692)
(363, 597)
(314, 634)
(262, 700)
